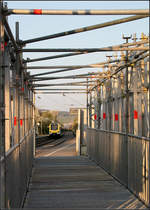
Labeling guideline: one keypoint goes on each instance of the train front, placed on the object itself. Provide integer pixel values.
(54, 129)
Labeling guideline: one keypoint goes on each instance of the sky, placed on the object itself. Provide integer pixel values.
(32, 26)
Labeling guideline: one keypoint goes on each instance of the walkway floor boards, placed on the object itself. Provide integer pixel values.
(75, 183)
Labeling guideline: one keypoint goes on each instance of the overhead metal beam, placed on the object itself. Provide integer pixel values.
(54, 72)
(76, 75)
(53, 57)
(64, 89)
(37, 79)
(71, 69)
(60, 92)
(76, 12)
(82, 83)
(59, 67)
(47, 85)
(68, 77)
(137, 58)
(84, 29)
(10, 34)
(73, 54)
(105, 49)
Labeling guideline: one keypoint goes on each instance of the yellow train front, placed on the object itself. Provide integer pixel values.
(54, 129)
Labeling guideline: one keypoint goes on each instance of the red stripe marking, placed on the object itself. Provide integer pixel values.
(2, 47)
(15, 121)
(135, 114)
(21, 122)
(95, 116)
(116, 117)
(104, 115)
(37, 11)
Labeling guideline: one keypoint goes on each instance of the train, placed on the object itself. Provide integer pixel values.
(55, 129)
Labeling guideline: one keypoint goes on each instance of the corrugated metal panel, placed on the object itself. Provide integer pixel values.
(18, 170)
(127, 160)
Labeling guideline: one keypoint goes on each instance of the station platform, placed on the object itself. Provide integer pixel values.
(61, 180)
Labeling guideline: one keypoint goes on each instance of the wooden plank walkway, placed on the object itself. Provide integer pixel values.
(74, 183)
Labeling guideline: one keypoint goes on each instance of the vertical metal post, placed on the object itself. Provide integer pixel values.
(18, 107)
(149, 108)
(18, 82)
(41, 126)
(127, 98)
(148, 165)
(126, 87)
(33, 124)
(7, 97)
(98, 107)
(87, 105)
(90, 110)
(2, 114)
(2, 107)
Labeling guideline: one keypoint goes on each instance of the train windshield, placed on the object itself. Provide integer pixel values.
(54, 127)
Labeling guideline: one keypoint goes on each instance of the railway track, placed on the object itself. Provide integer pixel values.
(49, 145)
(43, 140)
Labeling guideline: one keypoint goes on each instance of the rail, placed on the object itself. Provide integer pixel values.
(17, 161)
(125, 157)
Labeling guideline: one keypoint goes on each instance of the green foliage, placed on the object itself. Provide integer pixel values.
(44, 119)
(74, 126)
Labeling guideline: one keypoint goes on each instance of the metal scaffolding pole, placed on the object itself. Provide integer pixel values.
(105, 49)
(84, 29)
(52, 57)
(10, 34)
(127, 95)
(88, 74)
(76, 12)
(63, 89)
(87, 103)
(149, 113)
(69, 77)
(121, 67)
(2, 114)
(69, 84)
(60, 92)
(54, 72)
(71, 69)
(71, 54)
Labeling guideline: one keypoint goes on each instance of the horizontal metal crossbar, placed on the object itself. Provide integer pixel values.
(60, 92)
(64, 84)
(68, 77)
(52, 57)
(58, 89)
(84, 29)
(105, 49)
(76, 12)
(121, 67)
(59, 67)
(71, 69)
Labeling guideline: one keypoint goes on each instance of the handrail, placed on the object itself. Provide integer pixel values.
(117, 132)
(18, 144)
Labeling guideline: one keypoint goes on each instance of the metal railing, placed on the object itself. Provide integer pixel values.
(17, 167)
(127, 159)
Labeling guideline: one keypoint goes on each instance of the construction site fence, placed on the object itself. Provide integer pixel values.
(125, 157)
